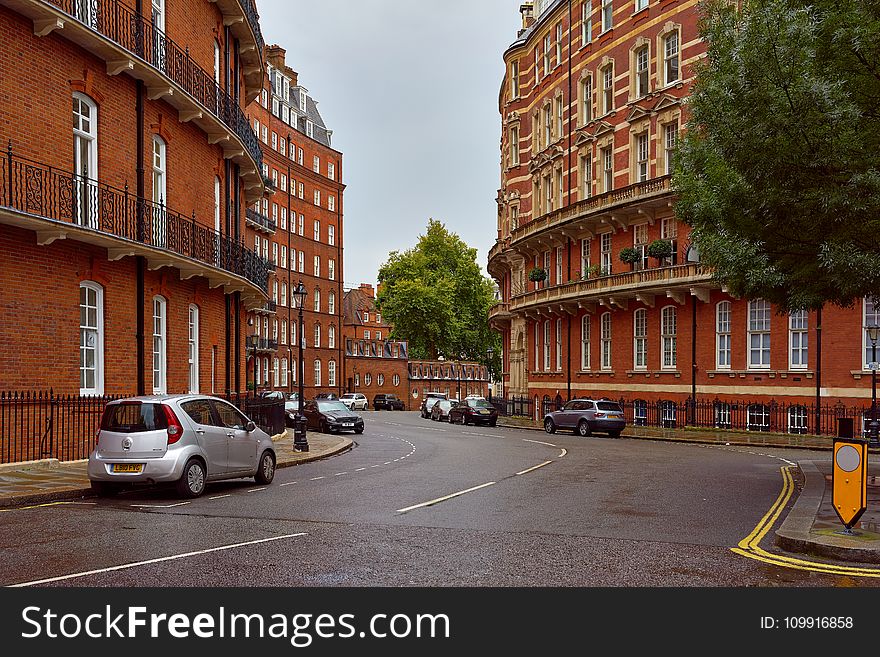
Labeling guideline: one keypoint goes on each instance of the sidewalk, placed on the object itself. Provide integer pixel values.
(39, 482)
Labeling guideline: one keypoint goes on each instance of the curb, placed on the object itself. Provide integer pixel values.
(794, 534)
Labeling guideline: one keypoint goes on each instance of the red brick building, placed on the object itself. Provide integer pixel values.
(591, 108)
(297, 226)
(128, 162)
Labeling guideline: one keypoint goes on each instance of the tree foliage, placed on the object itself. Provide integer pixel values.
(437, 298)
(778, 172)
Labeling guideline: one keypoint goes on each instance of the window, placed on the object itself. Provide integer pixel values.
(285, 367)
(286, 118)
(276, 372)
(378, 335)
(797, 340)
(331, 235)
(160, 193)
(302, 220)
(722, 335)
(585, 342)
(722, 415)
(302, 192)
(331, 337)
(586, 22)
(310, 129)
(284, 294)
(316, 164)
(283, 331)
(293, 335)
(605, 337)
(283, 257)
(669, 232)
(642, 61)
(608, 89)
(547, 345)
(318, 197)
(559, 117)
(670, 140)
(586, 173)
(302, 257)
(585, 256)
(283, 185)
(331, 303)
(316, 233)
(548, 125)
(378, 318)
(193, 349)
(257, 128)
(283, 214)
(640, 339)
(670, 58)
(514, 146)
(558, 265)
(641, 4)
(160, 385)
(668, 412)
(797, 419)
(759, 334)
(640, 244)
(872, 318)
(395, 380)
(317, 373)
(668, 335)
(607, 15)
(537, 59)
(264, 135)
(331, 171)
(274, 252)
(274, 136)
(642, 157)
(331, 269)
(558, 44)
(548, 54)
(366, 335)
(91, 339)
(317, 299)
(317, 265)
(299, 160)
(605, 253)
(317, 335)
(640, 413)
(586, 100)
(758, 418)
(275, 291)
(558, 345)
(537, 351)
(607, 169)
(331, 373)
(331, 203)
(514, 79)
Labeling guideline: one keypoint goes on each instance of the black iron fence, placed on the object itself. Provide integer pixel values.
(766, 416)
(43, 425)
(43, 190)
(141, 37)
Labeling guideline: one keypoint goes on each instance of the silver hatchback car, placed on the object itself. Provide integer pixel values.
(187, 440)
(585, 416)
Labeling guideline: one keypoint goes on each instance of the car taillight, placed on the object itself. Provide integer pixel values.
(600, 414)
(175, 428)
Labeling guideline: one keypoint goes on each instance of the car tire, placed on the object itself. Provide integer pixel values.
(549, 426)
(105, 488)
(266, 469)
(464, 420)
(359, 430)
(583, 428)
(192, 483)
(493, 423)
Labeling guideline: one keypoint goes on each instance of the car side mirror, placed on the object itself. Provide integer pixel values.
(251, 426)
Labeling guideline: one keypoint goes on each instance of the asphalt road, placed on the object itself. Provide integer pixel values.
(419, 503)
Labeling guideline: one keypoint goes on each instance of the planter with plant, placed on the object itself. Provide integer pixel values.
(660, 249)
(593, 271)
(629, 255)
(538, 275)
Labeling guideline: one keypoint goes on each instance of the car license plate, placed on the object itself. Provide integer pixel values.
(129, 468)
(484, 412)
(348, 424)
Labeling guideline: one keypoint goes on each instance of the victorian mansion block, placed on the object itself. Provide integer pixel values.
(592, 105)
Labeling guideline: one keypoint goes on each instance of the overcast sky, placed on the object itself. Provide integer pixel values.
(410, 90)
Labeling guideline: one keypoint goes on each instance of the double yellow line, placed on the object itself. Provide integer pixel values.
(750, 546)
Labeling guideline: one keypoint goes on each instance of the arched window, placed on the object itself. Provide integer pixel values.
(368, 379)
(722, 414)
(668, 336)
(395, 380)
(284, 294)
(797, 419)
(217, 204)
(331, 373)
(160, 362)
(331, 303)
(266, 371)
(193, 349)
(284, 369)
(640, 413)
(380, 380)
(331, 337)
(547, 345)
(758, 417)
(85, 159)
(317, 373)
(317, 298)
(640, 339)
(91, 338)
(276, 372)
(160, 191)
(585, 342)
(317, 335)
(668, 414)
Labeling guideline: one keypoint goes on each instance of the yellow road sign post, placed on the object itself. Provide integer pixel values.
(850, 480)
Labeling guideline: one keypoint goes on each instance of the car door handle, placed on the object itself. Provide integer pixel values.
(230, 435)
(201, 432)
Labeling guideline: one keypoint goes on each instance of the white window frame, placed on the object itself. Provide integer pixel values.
(586, 22)
(317, 336)
(331, 302)
(160, 345)
(331, 374)
(317, 300)
(605, 338)
(870, 317)
(608, 88)
(607, 15)
(643, 155)
(85, 139)
(640, 339)
(317, 366)
(193, 344)
(642, 71)
(285, 367)
(586, 245)
(798, 340)
(607, 169)
(759, 327)
(669, 337)
(585, 343)
(605, 259)
(722, 335)
(558, 345)
(331, 337)
(96, 333)
(670, 56)
(547, 345)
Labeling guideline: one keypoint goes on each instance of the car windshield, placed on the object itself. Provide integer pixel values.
(444, 404)
(291, 406)
(478, 403)
(335, 405)
(348, 396)
(608, 406)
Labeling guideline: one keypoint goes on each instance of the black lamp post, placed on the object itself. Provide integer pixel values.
(873, 334)
(489, 353)
(300, 441)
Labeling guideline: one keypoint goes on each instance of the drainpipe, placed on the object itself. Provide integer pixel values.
(568, 178)
(819, 370)
(140, 261)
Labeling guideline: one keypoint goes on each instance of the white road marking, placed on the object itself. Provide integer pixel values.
(359, 469)
(159, 506)
(289, 483)
(219, 497)
(539, 442)
(535, 467)
(378, 465)
(564, 452)
(487, 435)
(339, 474)
(432, 429)
(315, 478)
(255, 490)
(443, 499)
(387, 463)
(152, 561)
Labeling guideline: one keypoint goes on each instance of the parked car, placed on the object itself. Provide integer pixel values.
(473, 411)
(327, 395)
(388, 402)
(440, 409)
(291, 408)
(186, 440)
(355, 401)
(332, 416)
(271, 394)
(428, 401)
(585, 416)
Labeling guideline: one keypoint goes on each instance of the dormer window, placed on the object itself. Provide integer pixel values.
(302, 101)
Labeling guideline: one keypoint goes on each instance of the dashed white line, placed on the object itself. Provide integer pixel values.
(289, 483)
(444, 498)
(255, 490)
(219, 497)
(535, 467)
(539, 442)
(152, 561)
(315, 478)
(431, 429)
(359, 469)
(339, 474)
(159, 506)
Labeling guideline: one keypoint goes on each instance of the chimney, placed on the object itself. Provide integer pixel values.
(367, 289)
(528, 14)
(275, 56)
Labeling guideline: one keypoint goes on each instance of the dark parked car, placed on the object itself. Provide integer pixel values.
(584, 416)
(388, 402)
(332, 416)
(428, 402)
(440, 409)
(473, 411)
(326, 395)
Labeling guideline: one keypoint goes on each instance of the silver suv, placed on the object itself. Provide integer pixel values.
(584, 416)
(187, 440)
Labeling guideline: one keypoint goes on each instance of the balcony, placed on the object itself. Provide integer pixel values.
(256, 343)
(500, 315)
(241, 17)
(498, 259)
(269, 308)
(648, 286)
(270, 186)
(130, 44)
(58, 205)
(615, 209)
(260, 222)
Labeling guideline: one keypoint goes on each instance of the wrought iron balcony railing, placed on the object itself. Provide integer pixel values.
(250, 12)
(257, 343)
(43, 191)
(137, 35)
(260, 221)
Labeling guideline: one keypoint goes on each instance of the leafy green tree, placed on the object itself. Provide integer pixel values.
(436, 297)
(778, 172)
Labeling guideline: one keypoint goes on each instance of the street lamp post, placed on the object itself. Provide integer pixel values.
(489, 353)
(300, 441)
(873, 334)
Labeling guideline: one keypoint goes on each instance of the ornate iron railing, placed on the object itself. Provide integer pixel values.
(260, 220)
(250, 13)
(139, 36)
(38, 189)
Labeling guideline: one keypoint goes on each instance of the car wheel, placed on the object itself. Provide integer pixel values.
(465, 420)
(549, 427)
(192, 483)
(583, 428)
(359, 430)
(104, 488)
(266, 470)
(492, 423)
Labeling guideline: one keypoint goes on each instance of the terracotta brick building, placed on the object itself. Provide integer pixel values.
(591, 107)
(128, 162)
(297, 226)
